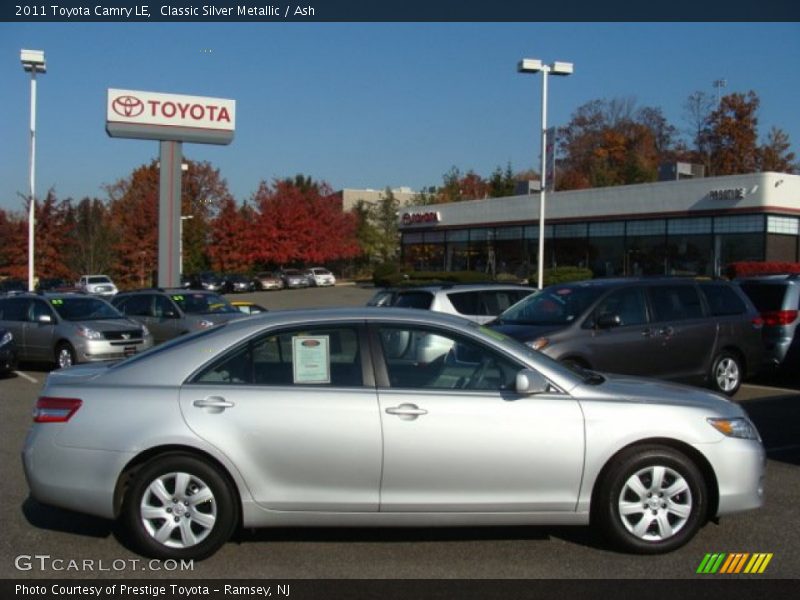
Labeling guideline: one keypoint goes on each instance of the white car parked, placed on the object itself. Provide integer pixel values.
(97, 285)
(318, 276)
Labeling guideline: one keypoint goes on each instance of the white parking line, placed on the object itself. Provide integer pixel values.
(26, 376)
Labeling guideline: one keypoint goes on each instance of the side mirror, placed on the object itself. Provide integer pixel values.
(608, 320)
(44, 319)
(530, 382)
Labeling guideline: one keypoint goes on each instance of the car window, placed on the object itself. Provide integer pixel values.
(722, 299)
(102, 279)
(162, 307)
(38, 309)
(675, 302)
(496, 301)
(766, 296)
(137, 305)
(310, 356)
(555, 305)
(422, 358)
(465, 303)
(14, 309)
(202, 303)
(414, 300)
(628, 304)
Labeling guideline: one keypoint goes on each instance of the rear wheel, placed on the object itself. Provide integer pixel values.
(652, 500)
(726, 373)
(65, 355)
(179, 506)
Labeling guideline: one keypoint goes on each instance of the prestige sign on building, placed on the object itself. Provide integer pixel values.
(156, 116)
(171, 119)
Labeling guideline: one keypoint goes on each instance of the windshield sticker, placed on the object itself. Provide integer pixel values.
(177, 298)
(56, 301)
(311, 359)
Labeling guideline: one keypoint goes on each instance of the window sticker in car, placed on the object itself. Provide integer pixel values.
(178, 298)
(311, 359)
(56, 302)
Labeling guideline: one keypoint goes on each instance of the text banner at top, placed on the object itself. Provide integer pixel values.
(399, 10)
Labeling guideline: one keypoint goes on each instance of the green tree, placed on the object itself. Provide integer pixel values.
(93, 237)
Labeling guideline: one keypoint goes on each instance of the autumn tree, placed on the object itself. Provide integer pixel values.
(300, 221)
(134, 222)
(730, 136)
(54, 238)
(775, 155)
(230, 249)
(91, 250)
(14, 246)
(611, 142)
(377, 229)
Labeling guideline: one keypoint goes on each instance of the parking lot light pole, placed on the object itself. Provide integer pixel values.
(532, 65)
(32, 61)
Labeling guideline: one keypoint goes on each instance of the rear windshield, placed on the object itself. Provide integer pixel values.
(203, 304)
(766, 296)
(84, 309)
(414, 300)
(556, 305)
(99, 280)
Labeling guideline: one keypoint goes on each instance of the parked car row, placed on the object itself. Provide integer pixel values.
(265, 280)
(707, 332)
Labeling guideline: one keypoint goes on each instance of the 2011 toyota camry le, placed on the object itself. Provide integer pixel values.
(381, 417)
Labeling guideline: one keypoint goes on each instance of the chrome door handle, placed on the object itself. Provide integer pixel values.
(214, 402)
(407, 412)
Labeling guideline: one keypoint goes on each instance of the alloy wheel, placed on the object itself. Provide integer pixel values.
(655, 503)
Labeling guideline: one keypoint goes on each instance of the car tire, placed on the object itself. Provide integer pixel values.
(651, 500)
(179, 507)
(726, 373)
(65, 355)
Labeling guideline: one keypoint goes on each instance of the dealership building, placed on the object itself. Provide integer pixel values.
(682, 227)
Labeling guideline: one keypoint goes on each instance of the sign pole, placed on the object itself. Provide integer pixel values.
(169, 214)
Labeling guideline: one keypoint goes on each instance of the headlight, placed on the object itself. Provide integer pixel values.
(145, 331)
(538, 343)
(738, 427)
(7, 337)
(88, 333)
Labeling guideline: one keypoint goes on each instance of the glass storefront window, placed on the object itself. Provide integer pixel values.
(690, 255)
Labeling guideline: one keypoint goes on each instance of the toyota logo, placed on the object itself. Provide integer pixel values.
(127, 106)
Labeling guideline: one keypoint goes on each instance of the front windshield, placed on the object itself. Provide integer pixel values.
(84, 308)
(203, 304)
(99, 279)
(554, 305)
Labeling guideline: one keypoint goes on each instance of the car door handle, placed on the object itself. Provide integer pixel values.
(214, 402)
(407, 412)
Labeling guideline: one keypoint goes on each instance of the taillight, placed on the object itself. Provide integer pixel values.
(779, 317)
(55, 410)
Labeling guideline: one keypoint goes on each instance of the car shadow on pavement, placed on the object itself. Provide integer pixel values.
(66, 521)
(777, 419)
(583, 536)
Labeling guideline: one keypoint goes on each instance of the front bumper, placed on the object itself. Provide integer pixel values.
(97, 350)
(740, 468)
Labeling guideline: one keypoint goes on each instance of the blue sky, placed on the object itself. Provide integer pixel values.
(364, 105)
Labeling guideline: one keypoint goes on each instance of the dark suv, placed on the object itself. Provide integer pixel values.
(677, 329)
(168, 313)
(777, 298)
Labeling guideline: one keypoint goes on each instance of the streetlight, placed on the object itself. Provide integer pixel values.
(532, 65)
(32, 61)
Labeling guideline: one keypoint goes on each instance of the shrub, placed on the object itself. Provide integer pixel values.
(750, 268)
(561, 275)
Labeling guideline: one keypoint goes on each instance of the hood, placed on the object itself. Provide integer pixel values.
(523, 332)
(627, 388)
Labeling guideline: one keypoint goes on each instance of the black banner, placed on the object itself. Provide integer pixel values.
(398, 10)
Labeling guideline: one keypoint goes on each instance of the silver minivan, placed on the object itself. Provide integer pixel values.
(70, 328)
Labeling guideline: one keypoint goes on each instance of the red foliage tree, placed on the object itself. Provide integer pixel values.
(13, 246)
(230, 235)
(54, 238)
(301, 222)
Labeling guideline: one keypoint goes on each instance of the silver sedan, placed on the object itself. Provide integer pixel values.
(381, 417)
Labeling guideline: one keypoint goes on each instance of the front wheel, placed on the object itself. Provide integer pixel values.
(726, 373)
(179, 507)
(65, 355)
(653, 500)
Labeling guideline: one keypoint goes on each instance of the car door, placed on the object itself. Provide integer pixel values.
(296, 411)
(618, 337)
(688, 337)
(39, 329)
(458, 438)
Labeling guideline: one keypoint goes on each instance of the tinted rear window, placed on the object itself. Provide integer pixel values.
(414, 300)
(723, 300)
(466, 303)
(766, 296)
